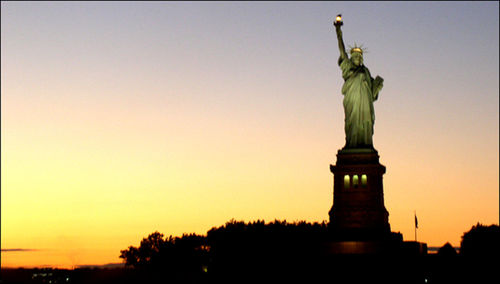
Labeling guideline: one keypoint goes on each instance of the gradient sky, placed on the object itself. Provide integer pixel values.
(122, 118)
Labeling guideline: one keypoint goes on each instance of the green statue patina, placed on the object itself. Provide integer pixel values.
(360, 90)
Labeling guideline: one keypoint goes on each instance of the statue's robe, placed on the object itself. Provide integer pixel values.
(359, 95)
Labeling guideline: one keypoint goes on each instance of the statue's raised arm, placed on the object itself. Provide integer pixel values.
(338, 23)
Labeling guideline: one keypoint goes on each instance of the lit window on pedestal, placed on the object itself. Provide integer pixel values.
(347, 181)
(355, 181)
(364, 180)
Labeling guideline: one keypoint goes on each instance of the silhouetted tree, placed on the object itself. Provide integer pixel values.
(176, 259)
(148, 254)
(234, 245)
(256, 249)
(481, 241)
(479, 251)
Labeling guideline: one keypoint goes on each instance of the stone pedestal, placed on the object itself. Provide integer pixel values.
(358, 212)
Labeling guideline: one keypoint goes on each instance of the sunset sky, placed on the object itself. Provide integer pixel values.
(122, 118)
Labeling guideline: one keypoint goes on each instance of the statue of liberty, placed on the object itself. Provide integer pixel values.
(360, 90)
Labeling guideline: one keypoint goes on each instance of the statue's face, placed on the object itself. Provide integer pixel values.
(357, 58)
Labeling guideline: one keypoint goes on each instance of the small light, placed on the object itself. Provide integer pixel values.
(364, 180)
(338, 19)
(347, 181)
(355, 181)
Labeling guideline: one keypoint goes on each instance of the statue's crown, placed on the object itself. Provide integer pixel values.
(356, 48)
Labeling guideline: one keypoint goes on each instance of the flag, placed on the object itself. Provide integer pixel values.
(416, 221)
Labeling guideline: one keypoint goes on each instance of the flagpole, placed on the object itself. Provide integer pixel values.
(416, 225)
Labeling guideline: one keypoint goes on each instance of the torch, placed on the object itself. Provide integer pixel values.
(338, 20)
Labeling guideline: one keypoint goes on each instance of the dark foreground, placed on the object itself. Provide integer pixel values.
(281, 252)
(430, 268)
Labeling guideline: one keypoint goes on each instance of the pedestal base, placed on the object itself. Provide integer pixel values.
(358, 212)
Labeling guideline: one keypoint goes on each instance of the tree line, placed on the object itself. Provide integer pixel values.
(278, 249)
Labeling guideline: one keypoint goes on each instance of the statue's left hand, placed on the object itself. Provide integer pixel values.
(378, 83)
